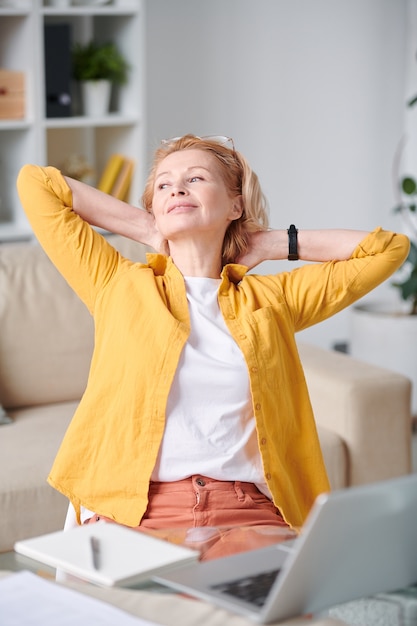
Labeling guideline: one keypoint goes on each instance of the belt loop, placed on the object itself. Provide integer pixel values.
(239, 491)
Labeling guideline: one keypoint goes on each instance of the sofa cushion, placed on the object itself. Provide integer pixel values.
(46, 337)
(335, 454)
(27, 449)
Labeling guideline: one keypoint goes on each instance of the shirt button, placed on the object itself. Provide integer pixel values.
(268, 476)
(257, 406)
(263, 441)
(242, 336)
(200, 482)
(254, 369)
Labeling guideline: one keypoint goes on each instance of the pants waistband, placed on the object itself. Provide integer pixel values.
(199, 481)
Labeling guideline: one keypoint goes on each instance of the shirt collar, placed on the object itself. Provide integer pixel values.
(162, 264)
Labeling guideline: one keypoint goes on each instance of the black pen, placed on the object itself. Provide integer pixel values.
(95, 551)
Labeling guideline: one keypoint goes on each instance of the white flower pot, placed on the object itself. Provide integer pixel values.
(96, 97)
(387, 337)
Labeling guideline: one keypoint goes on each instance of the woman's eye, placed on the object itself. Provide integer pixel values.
(193, 179)
(162, 185)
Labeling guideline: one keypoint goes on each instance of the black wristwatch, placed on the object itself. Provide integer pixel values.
(292, 243)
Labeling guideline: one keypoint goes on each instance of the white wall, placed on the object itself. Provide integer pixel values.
(312, 91)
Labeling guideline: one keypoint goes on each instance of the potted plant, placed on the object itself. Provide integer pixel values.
(386, 333)
(97, 67)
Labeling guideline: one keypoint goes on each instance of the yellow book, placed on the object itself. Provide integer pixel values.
(122, 183)
(110, 172)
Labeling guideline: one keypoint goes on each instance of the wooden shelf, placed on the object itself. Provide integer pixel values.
(50, 141)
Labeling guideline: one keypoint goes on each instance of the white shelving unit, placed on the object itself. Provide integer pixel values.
(50, 141)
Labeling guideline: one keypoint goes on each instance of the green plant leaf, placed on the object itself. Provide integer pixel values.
(95, 61)
(412, 255)
(408, 287)
(409, 185)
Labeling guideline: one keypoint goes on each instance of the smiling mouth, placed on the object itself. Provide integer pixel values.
(182, 205)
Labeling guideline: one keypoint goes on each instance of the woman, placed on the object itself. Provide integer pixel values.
(196, 411)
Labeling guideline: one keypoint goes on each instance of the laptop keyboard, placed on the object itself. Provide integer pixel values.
(253, 589)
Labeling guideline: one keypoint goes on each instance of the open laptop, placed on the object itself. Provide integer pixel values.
(356, 542)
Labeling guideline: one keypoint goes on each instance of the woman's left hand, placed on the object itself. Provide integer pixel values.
(257, 251)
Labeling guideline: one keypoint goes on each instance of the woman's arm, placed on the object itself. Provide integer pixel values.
(313, 245)
(105, 211)
(347, 265)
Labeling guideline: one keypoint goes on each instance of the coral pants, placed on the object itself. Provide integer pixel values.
(216, 517)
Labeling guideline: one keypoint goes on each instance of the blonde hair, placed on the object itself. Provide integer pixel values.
(239, 179)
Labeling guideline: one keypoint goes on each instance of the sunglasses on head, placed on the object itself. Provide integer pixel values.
(220, 139)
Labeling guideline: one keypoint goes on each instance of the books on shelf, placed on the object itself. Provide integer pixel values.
(123, 180)
(117, 176)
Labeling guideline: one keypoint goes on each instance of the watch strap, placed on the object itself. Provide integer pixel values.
(292, 243)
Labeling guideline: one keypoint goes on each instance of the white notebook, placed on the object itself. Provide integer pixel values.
(106, 554)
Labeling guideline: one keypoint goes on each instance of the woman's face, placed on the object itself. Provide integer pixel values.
(190, 196)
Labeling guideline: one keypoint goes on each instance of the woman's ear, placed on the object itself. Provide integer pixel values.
(237, 207)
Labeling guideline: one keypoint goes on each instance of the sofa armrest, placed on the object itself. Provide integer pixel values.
(367, 406)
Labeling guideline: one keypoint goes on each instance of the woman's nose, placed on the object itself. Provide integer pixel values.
(178, 190)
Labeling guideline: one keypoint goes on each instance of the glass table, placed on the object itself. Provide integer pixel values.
(14, 562)
(210, 542)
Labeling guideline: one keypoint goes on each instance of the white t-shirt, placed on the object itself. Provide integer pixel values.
(210, 427)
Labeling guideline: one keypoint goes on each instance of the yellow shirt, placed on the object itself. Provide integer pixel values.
(141, 325)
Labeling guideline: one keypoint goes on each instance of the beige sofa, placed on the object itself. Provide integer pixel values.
(46, 342)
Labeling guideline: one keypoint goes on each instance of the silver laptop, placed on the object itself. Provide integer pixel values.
(356, 542)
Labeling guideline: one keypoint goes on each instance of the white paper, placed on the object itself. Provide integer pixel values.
(29, 600)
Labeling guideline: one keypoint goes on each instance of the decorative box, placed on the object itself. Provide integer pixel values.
(12, 95)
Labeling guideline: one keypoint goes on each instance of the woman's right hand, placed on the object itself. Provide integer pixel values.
(154, 238)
